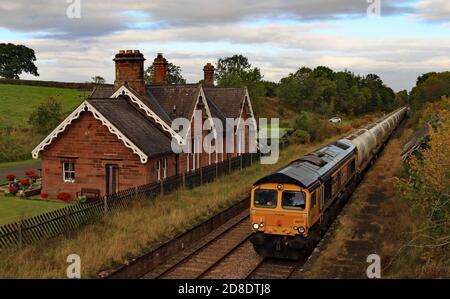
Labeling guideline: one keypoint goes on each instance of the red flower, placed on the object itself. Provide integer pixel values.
(64, 196)
(44, 195)
(13, 190)
(24, 182)
(31, 173)
(11, 177)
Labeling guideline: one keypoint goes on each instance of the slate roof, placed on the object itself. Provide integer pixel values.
(133, 124)
(103, 91)
(318, 165)
(180, 97)
(227, 99)
(142, 130)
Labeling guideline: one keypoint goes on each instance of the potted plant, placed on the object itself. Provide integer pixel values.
(64, 196)
(11, 177)
(13, 190)
(32, 175)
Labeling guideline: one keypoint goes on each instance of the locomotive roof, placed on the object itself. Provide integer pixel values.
(315, 166)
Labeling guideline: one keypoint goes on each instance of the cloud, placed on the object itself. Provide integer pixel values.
(397, 60)
(277, 36)
(433, 10)
(99, 17)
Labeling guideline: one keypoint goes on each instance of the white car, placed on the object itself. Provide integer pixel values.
(335, 120)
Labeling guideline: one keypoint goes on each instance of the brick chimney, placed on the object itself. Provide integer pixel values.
(160, 70)
(208, 74)
(130, 70)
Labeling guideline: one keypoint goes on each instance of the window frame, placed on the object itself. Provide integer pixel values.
(68, 171)
(265, 207)
(293, 208)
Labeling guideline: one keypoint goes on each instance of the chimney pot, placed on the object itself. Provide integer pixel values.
(160, 70)
(208, 74)
(130, 70)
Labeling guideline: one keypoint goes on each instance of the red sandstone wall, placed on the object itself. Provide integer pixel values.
(91, 146)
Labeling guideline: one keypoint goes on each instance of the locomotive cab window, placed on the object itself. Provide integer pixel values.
(294, 200)
(265, 198)
(313, 199)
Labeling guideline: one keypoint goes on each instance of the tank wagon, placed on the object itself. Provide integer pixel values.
(291, 208)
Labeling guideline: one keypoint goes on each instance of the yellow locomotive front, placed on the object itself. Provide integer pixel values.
(279, 215)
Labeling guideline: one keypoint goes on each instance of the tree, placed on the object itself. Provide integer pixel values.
(46, 116)
(173, 74)
(16, 59)
(236, 71)
(98, 80)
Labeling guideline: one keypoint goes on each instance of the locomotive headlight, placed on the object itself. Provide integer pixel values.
(255, 226)
(301, 229)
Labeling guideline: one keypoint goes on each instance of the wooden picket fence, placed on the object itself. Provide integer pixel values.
(47, 225)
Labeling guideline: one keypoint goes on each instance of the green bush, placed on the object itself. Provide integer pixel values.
(46, 116)
(302, 136)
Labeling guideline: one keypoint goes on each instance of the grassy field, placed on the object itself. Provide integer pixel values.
(12, 209)
(18, 101)
(20, 163)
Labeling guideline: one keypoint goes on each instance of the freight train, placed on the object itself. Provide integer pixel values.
(291, 208)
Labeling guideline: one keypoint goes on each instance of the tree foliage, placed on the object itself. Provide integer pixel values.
(174, 75)
(46, 116)
(430, 87)
(98, 80)
(236, 71)
(328, 92)
(427, 181)
(16, 59)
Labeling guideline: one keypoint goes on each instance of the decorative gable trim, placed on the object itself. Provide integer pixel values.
(208, 113)
(85, 106)
(125, 91)
(247, 98)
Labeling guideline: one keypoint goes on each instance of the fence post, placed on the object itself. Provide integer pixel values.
(241, 160)
(162, 187)
(217, 170)
(136, 194)
(229, 165)
(251, 159)
(105, 205)
(19, 232)
(201, 175)
(66, 219)
(184, 180)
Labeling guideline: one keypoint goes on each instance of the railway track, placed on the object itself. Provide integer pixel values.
(225, 253)
(275, 269)
(198, 261)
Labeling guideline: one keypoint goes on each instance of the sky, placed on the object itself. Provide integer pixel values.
(75, 40)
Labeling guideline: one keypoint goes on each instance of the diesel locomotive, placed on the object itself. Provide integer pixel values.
(291, 208)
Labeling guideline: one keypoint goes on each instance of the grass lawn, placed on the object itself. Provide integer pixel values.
(20, 163)
(12, 209)
(18, 101)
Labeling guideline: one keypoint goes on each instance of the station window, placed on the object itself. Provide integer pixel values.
(69, 172)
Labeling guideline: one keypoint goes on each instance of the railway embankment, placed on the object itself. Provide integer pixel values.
(367, 225)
